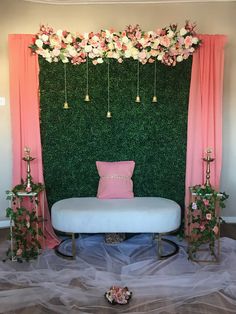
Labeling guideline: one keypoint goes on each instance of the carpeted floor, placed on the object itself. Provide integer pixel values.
(175, 285)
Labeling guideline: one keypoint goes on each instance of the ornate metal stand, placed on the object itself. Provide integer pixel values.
(208, 160)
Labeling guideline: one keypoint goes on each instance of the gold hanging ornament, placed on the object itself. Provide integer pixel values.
(66, 105)
(87, 98)
(154, 98)
(108, 91)
(137, 96)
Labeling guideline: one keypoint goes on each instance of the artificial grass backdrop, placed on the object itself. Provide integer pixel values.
(152, 134)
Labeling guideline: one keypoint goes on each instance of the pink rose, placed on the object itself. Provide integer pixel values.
(206, 202)
(19, 252)
(216, 229)
(28, 189)
(165, 41)
(208, 216)
(188, 41)
(202, 227)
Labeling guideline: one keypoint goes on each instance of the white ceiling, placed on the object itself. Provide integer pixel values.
(64, 2)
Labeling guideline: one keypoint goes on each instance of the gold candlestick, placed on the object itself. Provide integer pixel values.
(208, 160)
(28, 159)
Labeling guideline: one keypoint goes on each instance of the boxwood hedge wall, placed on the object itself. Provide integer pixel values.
(151, 134)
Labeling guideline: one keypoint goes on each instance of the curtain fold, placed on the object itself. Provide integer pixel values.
(205, 113)
(24, 100)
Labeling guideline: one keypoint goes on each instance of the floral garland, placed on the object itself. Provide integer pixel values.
(167, 45)
(203, 217)
(26, 226)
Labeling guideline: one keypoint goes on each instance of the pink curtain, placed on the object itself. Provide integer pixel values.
(205, 112)
(24, 99)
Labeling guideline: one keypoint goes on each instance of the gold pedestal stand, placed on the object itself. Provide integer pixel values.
(208, 251)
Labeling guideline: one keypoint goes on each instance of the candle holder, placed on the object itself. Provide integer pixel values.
(208, 159)
(28, 159)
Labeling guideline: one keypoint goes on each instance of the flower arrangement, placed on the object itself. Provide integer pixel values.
(204, 220)
(167, 45)
(118, 295)
(26, 231)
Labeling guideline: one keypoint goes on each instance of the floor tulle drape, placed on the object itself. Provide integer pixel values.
(24, 102)
(205, 112)
(175, 285)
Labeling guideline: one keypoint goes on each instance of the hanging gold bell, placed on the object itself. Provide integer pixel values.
(66, 106)
(154, 99)
(137, 99)
(108, 114)
(87, 98)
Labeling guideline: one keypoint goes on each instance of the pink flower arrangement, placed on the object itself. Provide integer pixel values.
(118, 295)
(167, 45)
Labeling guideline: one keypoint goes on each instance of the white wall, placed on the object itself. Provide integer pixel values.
(17, 16)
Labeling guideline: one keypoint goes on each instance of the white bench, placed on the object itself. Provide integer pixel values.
(136, 215)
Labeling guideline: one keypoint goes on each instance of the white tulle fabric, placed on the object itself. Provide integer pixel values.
(175, 285)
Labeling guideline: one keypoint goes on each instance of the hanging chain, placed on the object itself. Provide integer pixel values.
(65, 81)
(108, 85)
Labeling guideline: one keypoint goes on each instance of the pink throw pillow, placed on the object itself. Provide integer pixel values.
(115, 179)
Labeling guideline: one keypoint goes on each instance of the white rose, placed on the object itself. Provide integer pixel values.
(59, 32)
(111, 46)
(95, 38)
(65, 59)
(91, 55)
(99, 60)
(47, 54)
(179, 59)
(88, 48)
(191, 49)
(127, 53)
(69, 39)
(108, 33)
(156, 43)
(72, 51)
(44, 37)
(142, 41)
(49, 59)
(86, 35)
(134, 53)
(39, 43)
(115, 55)
(150, 33)
(55, 59)
(95, 51)
(170, 34)
(125, 40)
(55, 52)
(183, 31)
(160, 56)
(195, 40)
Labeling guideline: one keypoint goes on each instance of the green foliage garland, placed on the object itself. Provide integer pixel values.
(204, 217)
(26, 224)
(153, 135)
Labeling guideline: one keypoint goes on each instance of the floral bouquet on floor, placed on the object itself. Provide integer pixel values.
(118, 295)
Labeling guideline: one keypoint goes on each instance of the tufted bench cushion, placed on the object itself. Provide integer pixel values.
(136, 215)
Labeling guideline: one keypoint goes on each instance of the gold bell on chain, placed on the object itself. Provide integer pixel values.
(66, 106)
(154, 99)
(87, 98)
(109, 114)
(137, 99)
